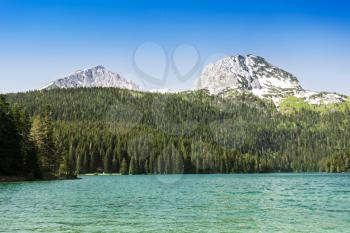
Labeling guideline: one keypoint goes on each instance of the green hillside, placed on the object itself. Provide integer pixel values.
(114, 130)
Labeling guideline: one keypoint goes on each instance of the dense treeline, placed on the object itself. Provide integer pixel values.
(27, 147)
(113, 130)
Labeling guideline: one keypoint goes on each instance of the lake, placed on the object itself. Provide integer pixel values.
(179, 203)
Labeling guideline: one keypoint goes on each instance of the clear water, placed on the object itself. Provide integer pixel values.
(189, 203)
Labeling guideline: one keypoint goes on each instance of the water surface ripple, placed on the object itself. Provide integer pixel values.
(187, 203)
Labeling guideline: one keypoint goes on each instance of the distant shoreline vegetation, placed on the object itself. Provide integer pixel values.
(65, 132)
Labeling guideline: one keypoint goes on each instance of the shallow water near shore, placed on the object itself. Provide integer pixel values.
(179, 203)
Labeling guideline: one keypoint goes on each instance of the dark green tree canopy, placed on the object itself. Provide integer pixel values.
(115, 130)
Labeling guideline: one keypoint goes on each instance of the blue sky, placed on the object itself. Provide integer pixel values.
(42, 40)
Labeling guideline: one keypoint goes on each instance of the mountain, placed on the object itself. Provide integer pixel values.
(255, 75)
(97, 76)
(225, 77)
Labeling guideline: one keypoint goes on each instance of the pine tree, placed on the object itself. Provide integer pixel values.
(42, 134)
(86, 166)
(115, 167)
(31, 168)
(107, 161)
(68, 167)
(124, 169)
(133, 166)
(11, 162)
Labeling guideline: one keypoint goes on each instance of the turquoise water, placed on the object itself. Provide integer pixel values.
(188, 203)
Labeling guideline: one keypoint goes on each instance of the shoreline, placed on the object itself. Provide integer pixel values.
(10, 179)
(13, 179)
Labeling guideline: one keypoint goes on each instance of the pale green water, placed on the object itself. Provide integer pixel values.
(194, 203)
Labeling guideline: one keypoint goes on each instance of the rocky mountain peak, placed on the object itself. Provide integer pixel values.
(97, 76)
(256, 75)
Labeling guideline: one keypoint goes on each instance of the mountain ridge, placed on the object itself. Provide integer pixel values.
(250, 73)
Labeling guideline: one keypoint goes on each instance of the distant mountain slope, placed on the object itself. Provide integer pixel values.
(97, 76)
(254, 74)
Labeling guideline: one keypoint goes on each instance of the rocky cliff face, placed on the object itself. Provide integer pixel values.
(254, 74)
(97, 76)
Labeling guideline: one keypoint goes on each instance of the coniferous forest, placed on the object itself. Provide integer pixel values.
(27, 148)
(86, 130)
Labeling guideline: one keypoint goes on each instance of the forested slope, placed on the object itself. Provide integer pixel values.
(115, 130)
